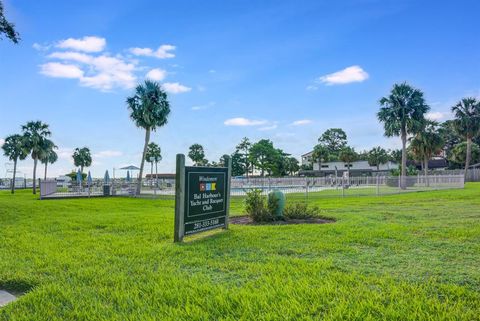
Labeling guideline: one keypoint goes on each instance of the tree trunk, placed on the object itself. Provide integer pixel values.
(403, 173)
(147, 139)
(81, 170)
(151, 175)
(14, 175)
(156, 174)
(425, 167)
(45, 174)
(35, 175)
(469, 155)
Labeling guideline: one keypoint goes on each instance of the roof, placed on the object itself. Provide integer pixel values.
(307, 154)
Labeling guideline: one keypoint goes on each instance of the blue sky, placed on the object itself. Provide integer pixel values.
(283, 70)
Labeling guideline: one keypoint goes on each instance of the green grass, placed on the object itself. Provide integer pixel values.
(414, 256)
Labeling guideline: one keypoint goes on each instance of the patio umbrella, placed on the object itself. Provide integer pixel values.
(128, 176)
(89, 179)
(79, 177)
(106, 178)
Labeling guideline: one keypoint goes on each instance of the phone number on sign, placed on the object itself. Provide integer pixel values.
(206, 223)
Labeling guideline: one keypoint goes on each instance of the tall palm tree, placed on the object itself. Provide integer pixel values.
(149, 109)
(467, 123)
(48, 156)
(377, 156)
(402, 113)
(425, 144)
(14, 150)
(82, 157)
(348, 155)
(35, 133)
(321, 153)
(154, 155)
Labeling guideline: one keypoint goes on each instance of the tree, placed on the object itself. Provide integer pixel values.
(334, 139)
(263, 156)
(425, 144)
(149, 109)
(402, 112)
(197, 155)
(48, 156)
(7, 28)
(154, 155)
(244, 150)
(467, 123)
(237, 164)
(292, 165)
(377, 156)
(347, 155)
(223, 162)
(35, 133)
(459, 153)
(395, 155)
(321, 154)
(14, 150)
(82, 158)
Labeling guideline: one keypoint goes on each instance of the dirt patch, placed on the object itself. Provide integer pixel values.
(246, 220)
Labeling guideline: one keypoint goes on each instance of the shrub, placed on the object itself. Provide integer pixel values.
(300, 211)
(256, 208)
(276, 203)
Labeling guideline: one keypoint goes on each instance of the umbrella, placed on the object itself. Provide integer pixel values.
(106, 178)
(79, 177)
(128, 176)
(89, 179)
(131, 167)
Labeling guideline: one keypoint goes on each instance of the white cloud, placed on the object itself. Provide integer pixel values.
(65, 153)
(40, 47)
(2, 141)
(345, 76)
(156, 74)
(272, 127)
(201, 107)
(240, 121)
(86, 44)
(311, 87)
(101, 72)
(301, 122)
(59, 70)
(163, 52)
(108, 154)
(175, 88)
(436, 115)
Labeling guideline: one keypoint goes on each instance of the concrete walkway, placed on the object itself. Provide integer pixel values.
(6, 298)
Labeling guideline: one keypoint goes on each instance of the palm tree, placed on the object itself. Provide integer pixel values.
(347, 155)
(14, 149)
(377, 156)
(402, 113)
(197, 155)
(82, 157)
(321, 153)
(48, 156)
(149, 109)
(425, 144)
(154, 155)
(35, 133)
(467, 123)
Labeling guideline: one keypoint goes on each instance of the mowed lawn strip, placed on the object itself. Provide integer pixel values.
(401, 257)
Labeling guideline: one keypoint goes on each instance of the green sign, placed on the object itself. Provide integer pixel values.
(201, 198)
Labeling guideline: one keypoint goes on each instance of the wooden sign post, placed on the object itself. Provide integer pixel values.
(202, 198)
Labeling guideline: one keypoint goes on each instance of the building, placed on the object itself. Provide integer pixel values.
(357, 168)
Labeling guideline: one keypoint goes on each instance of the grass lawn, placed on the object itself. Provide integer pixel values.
(401, 257)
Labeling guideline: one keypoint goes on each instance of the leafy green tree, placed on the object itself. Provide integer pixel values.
(264, 156)
(7, 28)
(223, 162)
(292, 165)
(149, 109)
(335, 139)
(34, 135)
(48, 155)
(197, 155)
(395, 155)
(377, 156)
(467, 123)
(82, 157)
(425, 144)
(14, 150)
(402, 112)
(348, 155)
(321, 153)
(459, 153)
(238, 168)
(243, 149)
(154, 156)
